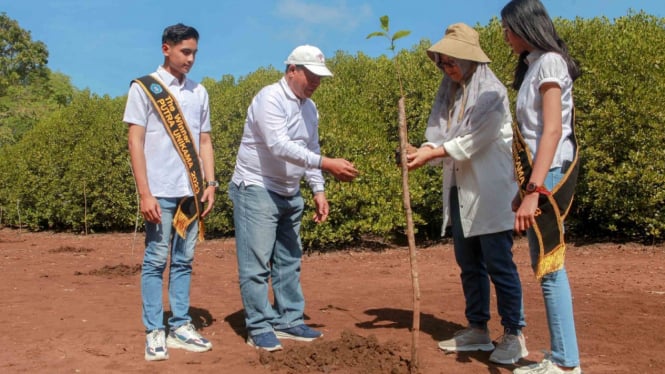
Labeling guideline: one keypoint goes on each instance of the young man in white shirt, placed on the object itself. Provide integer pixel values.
(163, 183)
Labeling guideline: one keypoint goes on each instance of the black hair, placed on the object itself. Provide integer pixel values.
(174, 34)
(529, 20)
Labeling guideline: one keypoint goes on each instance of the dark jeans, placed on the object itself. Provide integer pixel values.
(480, 259)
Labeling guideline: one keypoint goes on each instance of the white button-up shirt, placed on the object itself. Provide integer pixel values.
(167, 174)
(280, 142)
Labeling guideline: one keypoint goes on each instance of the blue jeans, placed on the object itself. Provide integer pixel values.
(483, 257)
(157, 240)
(558, 299)
(267, 232)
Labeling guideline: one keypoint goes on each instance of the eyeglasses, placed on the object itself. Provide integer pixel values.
(441, 64)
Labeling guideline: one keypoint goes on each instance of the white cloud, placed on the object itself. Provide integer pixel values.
(332, 13)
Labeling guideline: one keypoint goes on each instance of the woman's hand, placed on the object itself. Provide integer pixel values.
(525, 216)
(420, 156)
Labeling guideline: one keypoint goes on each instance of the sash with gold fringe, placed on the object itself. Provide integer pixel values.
(552, 209)
(190, 208)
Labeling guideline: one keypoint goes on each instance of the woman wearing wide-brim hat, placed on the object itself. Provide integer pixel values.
(470, 132)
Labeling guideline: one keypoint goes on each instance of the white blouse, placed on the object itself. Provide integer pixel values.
(545, 67)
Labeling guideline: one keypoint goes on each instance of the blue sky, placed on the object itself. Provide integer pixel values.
(103, 45)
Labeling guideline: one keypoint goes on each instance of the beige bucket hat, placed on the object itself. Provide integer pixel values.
(460, 41)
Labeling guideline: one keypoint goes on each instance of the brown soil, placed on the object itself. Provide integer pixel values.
(72, 304)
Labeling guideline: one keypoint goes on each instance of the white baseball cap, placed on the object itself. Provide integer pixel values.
(310, 57)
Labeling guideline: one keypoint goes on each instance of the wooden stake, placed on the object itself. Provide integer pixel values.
(406, 197)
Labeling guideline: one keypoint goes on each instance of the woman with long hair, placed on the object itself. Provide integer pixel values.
(545, 156)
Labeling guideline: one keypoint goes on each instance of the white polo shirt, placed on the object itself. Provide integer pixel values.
(280, 142)
(167, 175)
(545, 68)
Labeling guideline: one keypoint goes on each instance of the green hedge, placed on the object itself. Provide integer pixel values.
(71, 171)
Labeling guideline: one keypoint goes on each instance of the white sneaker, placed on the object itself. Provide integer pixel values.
(186, 337)
(510, 349)
(545, 367)
(469, 339)
(155, 347)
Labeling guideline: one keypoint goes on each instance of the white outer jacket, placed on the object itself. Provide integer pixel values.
(484, 175)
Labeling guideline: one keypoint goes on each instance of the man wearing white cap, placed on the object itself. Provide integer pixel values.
(280, 146)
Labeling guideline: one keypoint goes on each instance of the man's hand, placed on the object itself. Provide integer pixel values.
(322, 208)
(150, 209)
(209, 196)
(339, 168)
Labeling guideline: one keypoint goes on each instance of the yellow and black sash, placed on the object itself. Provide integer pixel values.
(552, 209)
(166, 105)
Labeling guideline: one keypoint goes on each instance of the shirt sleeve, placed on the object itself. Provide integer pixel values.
(205, 111)
(314, 176)
(272, 123)
(434, 133)
(485, 127)
(137, 107)
(553, 69)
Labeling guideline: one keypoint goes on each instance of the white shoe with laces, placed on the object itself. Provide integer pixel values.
(546, 366)
(155, 346)
(186, 337)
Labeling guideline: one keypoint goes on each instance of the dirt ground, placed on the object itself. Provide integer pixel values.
(71, 304)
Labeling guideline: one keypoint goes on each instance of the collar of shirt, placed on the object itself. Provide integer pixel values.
(533, 56)
(289, 93)
(169, 79)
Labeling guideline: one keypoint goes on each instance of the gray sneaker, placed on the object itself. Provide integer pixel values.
(511, 348)
(469, 339)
